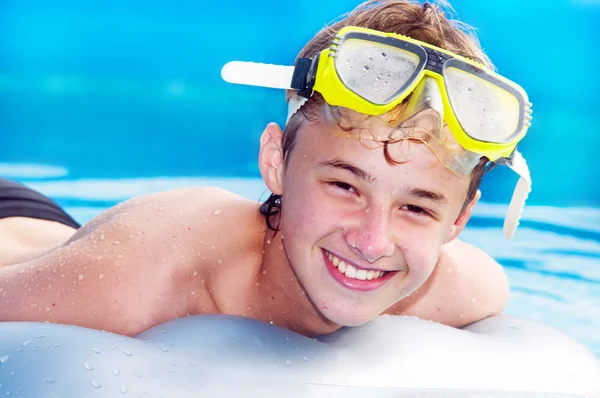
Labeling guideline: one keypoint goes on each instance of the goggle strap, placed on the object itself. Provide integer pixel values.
(522, 190)
(258, 74)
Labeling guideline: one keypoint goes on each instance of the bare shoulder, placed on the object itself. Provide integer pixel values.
(467, 285)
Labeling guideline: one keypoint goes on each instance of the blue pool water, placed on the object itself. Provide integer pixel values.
(101, 103)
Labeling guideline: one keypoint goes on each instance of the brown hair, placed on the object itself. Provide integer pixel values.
(426, 22)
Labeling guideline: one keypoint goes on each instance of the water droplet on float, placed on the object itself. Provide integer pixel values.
(383, 55)
(128, 353)
(288, 362)
(366, 67)
(123, 390)
(26, 343)
(95, 384)
(4, 359)
(116, 372)
(47, 380)
(87, 366)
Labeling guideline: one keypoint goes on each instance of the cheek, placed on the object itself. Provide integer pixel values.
(421, 250)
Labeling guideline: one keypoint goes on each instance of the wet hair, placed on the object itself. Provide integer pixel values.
(427, 22)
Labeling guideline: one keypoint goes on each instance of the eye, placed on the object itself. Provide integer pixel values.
(342, 186)
(415, 209)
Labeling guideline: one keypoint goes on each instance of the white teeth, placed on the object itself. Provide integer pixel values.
(352, 272)
(361, 274)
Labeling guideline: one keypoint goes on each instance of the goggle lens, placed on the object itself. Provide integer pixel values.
(377, 72)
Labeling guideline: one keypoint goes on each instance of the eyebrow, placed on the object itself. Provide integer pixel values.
(427, 194)
(347, 166)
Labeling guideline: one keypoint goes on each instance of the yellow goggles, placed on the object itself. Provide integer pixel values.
(372, 72)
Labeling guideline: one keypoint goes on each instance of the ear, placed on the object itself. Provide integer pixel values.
(270, 158)
(463, 218)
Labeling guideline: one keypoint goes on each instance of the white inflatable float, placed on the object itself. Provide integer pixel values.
(226, 356)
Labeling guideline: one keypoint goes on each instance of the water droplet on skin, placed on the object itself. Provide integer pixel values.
(195, 273)
(264, 272)
(473, 299)
(217, 212)
(100, 276)
(80, 276)
(96, 384)
(102, 237)
(158, 296)
(117, 242)
(220, 261)
(87, 366)
(116, 372)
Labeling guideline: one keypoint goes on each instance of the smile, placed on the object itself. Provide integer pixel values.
(355, 278)
(352, 272)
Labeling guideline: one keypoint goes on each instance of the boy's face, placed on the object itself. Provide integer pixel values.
(343, 202)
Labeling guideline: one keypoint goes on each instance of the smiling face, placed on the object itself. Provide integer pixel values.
(361, 234)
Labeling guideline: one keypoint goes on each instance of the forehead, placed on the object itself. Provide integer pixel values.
(318, 143)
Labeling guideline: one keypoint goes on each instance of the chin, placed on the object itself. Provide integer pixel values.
(345, 318)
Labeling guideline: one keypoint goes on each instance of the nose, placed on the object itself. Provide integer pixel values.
(371, 237)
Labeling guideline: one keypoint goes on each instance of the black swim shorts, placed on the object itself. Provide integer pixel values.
(17, 200)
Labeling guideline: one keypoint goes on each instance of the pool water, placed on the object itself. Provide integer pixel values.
(103, 102)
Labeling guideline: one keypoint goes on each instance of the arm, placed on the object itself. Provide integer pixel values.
(467, 285)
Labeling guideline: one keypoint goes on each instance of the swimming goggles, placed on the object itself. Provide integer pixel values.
(372, 73)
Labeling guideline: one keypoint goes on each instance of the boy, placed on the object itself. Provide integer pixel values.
(373, 178)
